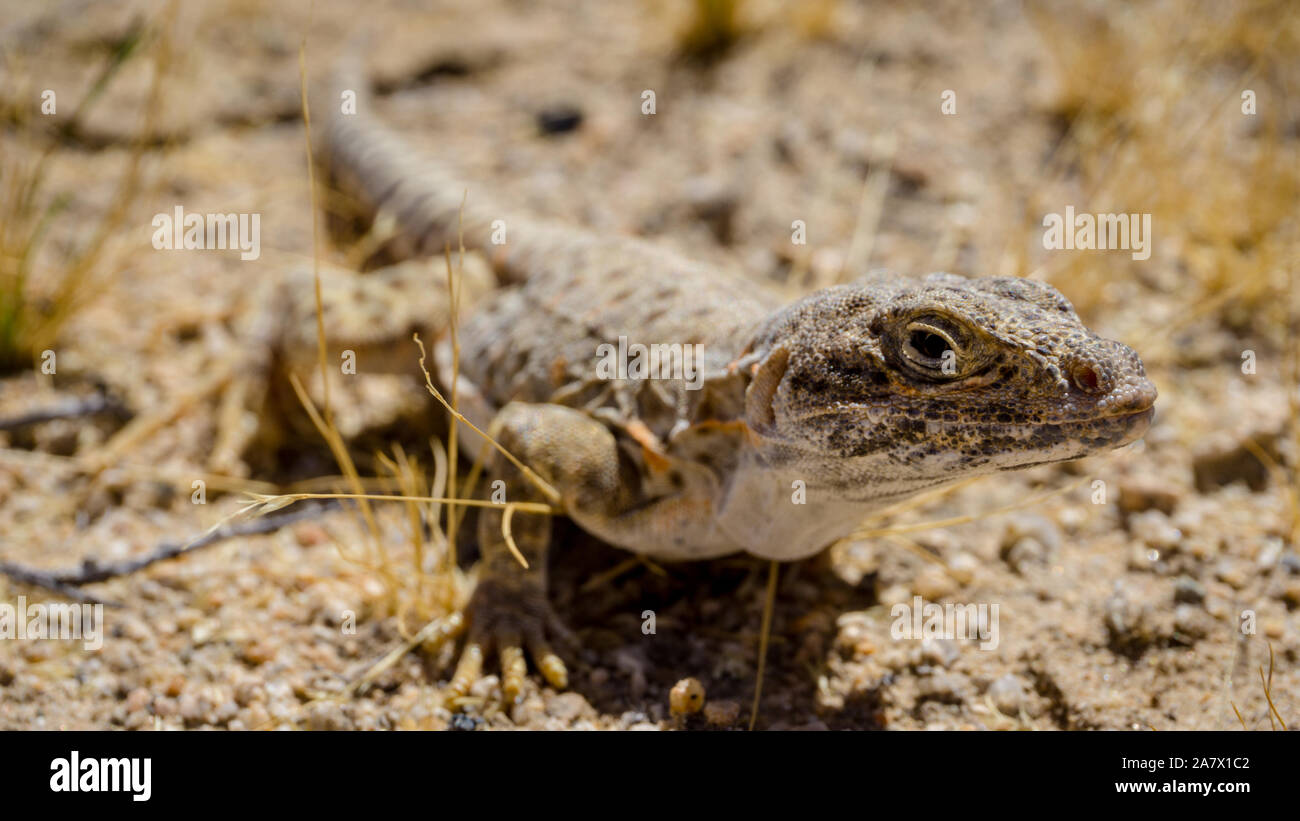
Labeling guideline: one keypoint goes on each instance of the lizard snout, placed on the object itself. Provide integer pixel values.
(1111, 379)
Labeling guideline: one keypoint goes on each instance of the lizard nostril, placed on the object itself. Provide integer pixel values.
(1086, 379)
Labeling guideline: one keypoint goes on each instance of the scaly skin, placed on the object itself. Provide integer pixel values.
(866, 393)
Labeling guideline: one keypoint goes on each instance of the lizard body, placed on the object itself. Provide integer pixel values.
(865, 393)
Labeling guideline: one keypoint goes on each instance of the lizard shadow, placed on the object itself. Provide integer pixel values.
(645, 629)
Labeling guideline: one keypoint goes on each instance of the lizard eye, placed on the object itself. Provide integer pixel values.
(927, 344)
(931, 348)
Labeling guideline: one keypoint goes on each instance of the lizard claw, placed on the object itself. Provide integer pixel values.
(507, 616)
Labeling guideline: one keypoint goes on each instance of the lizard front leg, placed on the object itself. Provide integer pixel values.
(508, 610)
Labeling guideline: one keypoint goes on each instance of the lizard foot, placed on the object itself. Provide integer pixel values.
(509, 615)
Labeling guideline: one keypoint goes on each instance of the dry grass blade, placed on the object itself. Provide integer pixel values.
(439, 628)
(276, 501)
(30, 325)
(1239, 718)
(453, 300)
(769, 604)
(1268, 691)
(541, 484)
(315, 224)
(337, 447)
(506, 516)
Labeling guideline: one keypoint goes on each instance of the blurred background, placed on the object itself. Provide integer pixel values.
(912, 137)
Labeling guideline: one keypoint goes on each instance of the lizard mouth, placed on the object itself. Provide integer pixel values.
(1064, 441)
(1036, 442)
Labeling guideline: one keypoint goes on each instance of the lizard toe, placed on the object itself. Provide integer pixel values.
(506, 619)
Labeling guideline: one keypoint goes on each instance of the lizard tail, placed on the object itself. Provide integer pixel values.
(372, 165)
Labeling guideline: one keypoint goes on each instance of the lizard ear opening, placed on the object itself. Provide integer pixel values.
(761, 393)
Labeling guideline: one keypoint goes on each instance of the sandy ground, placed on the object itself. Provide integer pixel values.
(1122, 582)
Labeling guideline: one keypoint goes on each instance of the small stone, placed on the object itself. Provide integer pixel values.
(1188, 590)
(895, 594)
(309, 534)
(631, 717)
(1137, 495)
(686, 697)
(226, 711)
(191, 709)
(1035, 526)
(950, 688)
(962, 568)
(568, 706)
(1224, 459)
(138, 721)
(714, 202)
(138, 699)
(1291, 561)
(203, 632)
(248, 691)
(529, 711)
(259, 652)
(485, 687)
(938, 652)
(327, 715)
(1153, 528)
(933, 583)
(1029, 540)
(1291, 594)
(1024, 553)
(256, 717)
(1191, 622)
(464, 723)
(721, 713)
(1008, 694)
(559, 119)
(1231, 574)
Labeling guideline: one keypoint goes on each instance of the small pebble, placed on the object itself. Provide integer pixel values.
(464, 723)
(559, 119)
(1291, 594)
(933, 583)
(137, 700)
(950, 688)
(1137, 495)
(568, 706)
(1008, 694)
(529, 711)
(1153, 529)
(1188, 590)
(938, 652)
(686, 697)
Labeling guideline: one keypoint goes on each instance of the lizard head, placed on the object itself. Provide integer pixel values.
(883, 388)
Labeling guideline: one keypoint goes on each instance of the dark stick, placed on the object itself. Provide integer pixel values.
(67, 409)
(66, 582)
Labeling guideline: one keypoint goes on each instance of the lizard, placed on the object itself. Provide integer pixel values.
(866, 392)
(369, 317)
